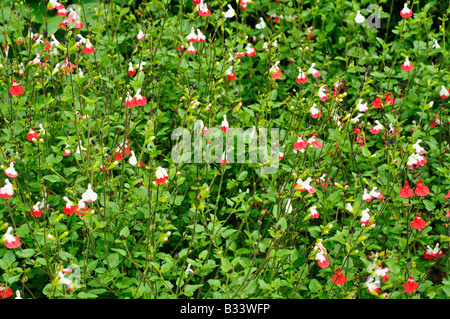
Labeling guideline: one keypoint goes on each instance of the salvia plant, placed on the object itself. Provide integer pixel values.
(292, 149)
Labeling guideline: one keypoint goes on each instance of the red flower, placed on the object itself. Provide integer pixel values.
(406, 191)
(377, 103)
(338, 278)
(421, 190)
(418, 223)
(231, 76)
(410, 286)
(447, 196)
(5, 293)
(16, 89)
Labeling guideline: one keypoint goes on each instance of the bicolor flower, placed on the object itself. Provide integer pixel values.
(81, 208)
(436, 121)
(224, 126)
(301, 185)
(129, 101)
(315, 73)
(249, 50)
(419, 149)
(231, 76)
(161, 175)
(69, 208)
(406, 12)
(313, 142)
(191, 49)
(314, 213)
(138, 99)
(373, 285)
(192, 37)
(322, 95)
(88, 48)
(65, 281)
(6, 191)
(314, 112)
(362, 107)
(11, 171)
(406, 66)
(140, 35)
(366, 196)
(418, 223)
(321, 257)
(301, 77)
(436, 252)
(16, 89)
(377, 128)
(11, 241)
(300, 145)
(36, 211)
(275, 71)
(416, 159)
(203, 10)
(200, 36)
(382, 272)
(131, 70)
(5, 293)
(444, 93)
(365, 217)
(89, 195)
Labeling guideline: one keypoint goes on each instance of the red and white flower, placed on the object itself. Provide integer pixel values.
(191, 49)
(322, 95)
(419, 149)
(140, 36)
(249, 50)
(36, 211)
(192, 37)
(88, 48)
(200, 36)
(138, 99)
(6, 191)
(161, 175)
(315, 73)
(131, 70)
(314, 112)
(203, 10)
(275, 71)
(81, 208)
(224, 126)
(321, 257)
(444, 93)
(382, 272)
(314, 142)
(301, 77)
(377, 128)
(65, 281)
(416, 159)
(11, 171)
(406, 12)
(301, 185)
(69, 208)
(366, 196)
(300, 145)
(406, 66)
(314, 213)
(231, 76)
(11, 241)
(362, 107)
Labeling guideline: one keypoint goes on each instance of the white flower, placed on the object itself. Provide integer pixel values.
(359, 18)
(132, 160)
(260, 25)
(89, 195)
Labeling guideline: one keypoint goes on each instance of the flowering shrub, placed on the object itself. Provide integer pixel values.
(349, 200)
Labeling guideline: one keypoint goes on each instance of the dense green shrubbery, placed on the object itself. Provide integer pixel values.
(354, 203)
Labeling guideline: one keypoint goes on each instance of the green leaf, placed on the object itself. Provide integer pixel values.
(53, 178)
(113, 260)
(125, 232)
(25, 253)
(314, 285)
